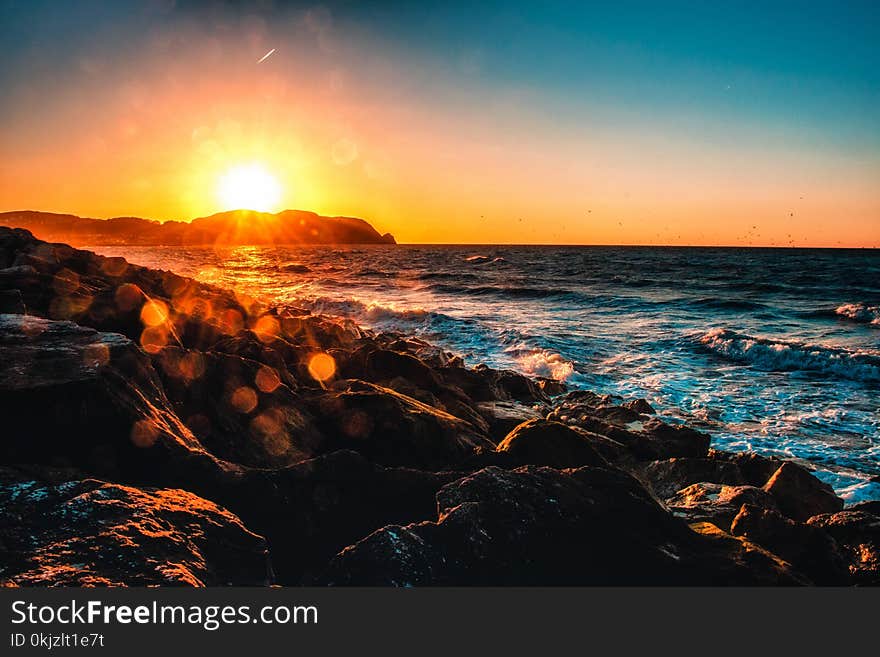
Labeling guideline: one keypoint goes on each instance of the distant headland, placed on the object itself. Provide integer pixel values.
(233, 228)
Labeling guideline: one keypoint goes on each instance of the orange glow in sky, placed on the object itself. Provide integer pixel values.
(192, 122)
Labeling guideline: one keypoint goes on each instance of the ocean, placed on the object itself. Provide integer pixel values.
(771, 350)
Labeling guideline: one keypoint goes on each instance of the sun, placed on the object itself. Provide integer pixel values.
(249, 187)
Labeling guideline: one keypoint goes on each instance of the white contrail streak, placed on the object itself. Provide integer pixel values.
(265, 57)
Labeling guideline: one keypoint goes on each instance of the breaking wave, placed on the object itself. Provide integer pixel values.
(859, 312)
(541, 362)
(781, 356)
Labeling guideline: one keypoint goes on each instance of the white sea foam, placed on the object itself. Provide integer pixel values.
(860, 312)
(547, 364)
(381, 315)
(625, 321)
(777, 355)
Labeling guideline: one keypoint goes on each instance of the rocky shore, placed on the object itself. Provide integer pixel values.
(159, 431)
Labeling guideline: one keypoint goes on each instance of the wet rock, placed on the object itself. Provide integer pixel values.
(11, 302)
(281, 355)
(868, 506)
(410, 376)
(94, 533)
(808, 548)
(483, 384)
(738, 561)
(551, 387)
(537, 525)
(518, 387)
(640, 406)
(717, 503)
(502, 417)
(72, 396)
(661, 440)
(313, 509)
(858, 535)
(647, 438)
(58, 282)
(799, 494)
(239, 409)
(393, 429)
(183, 385)
(608, 408)
(383, 365)
(755, 469)
(541, 442)
(668, 476)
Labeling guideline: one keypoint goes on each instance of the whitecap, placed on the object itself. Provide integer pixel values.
(781, 356)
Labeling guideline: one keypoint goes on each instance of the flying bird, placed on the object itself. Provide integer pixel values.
(266, 56)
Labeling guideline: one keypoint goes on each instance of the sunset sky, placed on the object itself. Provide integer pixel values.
(575, 123)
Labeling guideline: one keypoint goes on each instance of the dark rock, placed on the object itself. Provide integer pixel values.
(551, 387)
(514, 385)
(669, 476)
(541, 442)
(717, 503)
(868, 506)
(383, 365)
(72, 396)
(503, 417)
(56, 281)
(11, 302)
(647, 438)
(483, 384)
(313, 509)
(755, 469)
(537, 525)
(282, 356)
(640, 406)
(858, 535)
(93, 533)
(799, 494)
(182, 385)
(662, 440)
(393, 429)
(808, 548)
(239, 409)
(733, 558)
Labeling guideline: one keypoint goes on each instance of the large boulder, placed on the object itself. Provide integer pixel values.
(646, 437)
(717, 503)
(502, 417)
(808, 548)
(538, 525)
(70, 395)
(393, 429)
(94, 533)
(383, 365)
(483, 383)
(541, 442)
(754, 468)
(799, 494)
(668, 476)
(311, 510)
(240, 409)
(858, 535)
(658, 440)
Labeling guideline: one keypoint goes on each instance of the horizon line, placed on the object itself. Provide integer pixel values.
(470, 244)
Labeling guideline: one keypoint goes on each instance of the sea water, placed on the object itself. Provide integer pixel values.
(771, 350)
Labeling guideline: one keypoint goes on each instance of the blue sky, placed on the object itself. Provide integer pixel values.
(791, 86)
